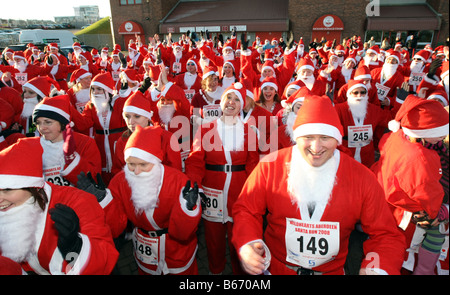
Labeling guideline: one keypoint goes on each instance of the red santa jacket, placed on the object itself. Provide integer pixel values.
(179, 244)
(98, 254)
(14, 98)
(356, 197)
(208, 149)
(387, 88)
(409, 174)
(358, 138)
(30, 72)
(341, 95)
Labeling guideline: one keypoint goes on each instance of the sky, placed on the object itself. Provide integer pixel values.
(48, 9)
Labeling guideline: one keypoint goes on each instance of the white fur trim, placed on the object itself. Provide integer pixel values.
(269, 84)
(136, 110)
(440, 97)
(96, 83)
(35, 89)
(306, 67)
(318, 128)
(72, 165)
(141, 154)
(20, 181)
(183, 202)
(349, 90)
(427, 133)
(166, 88)
(46, 107)
(238, 94)
(360, 77)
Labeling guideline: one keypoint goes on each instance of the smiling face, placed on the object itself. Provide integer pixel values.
(49, 129)
(269, 93)
(10, 198)
(316, 149)
(232, 105)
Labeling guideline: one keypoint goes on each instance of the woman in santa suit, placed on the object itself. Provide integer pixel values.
(410, 172)
(224, 153)
(66, 153)
(190, 81)
(137, 111)
(49, 229)
(104, 113)
(79, 93)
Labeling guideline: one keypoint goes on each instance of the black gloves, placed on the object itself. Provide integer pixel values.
(158, 56)
(190, 195)
(88, 184)
(68, 225)
(290, 42)
(244, 42)
(435, 64)
(145, 85)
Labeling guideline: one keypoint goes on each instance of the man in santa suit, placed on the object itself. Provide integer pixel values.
(433, 81)
(305, 73)
(174, 57)
(362, 73)
(104, 114)
(413, 189)
(115, 65)
(128, 84)
(307, 230)
(160, 203)
(224, 153)
(371, 58)
(300, 50)
(134, 57)
(104, 60)
(79, 93)
(49, 229)
(190, 81)
(66, 153)
(360, 119)
(23, 71)
(53, 48)
(84, 62)
(415, 71)
(345, 72)
(387, 79)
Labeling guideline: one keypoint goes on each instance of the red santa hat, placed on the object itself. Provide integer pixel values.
(297, 96)
(312, 51)
(85, 55)
(196, 66)
(10, 267)
(311, 119)
(268, 65)
(210, 70)
(56, 108)
(305, 64)
(271, 82)
(142, 144)
(373, 49)
(439, 94)
(296, 85)
(131, 75)
(444, 69)
(353, 84)
(18, 170)
(300, 42)
(173, 92)
(105, 49)
(394, 54)
(76, 45)
(79, 74)
(19, 54)
(238, 89)
(117, 47)
(362, 72)
(352, 57)
(423, 55)
(41, 85)
(105, 81)
(421, 118)
(115, 52)
(154, 72)
(52, 46)
(137, 103)
(6, 115)
(339, 49)
(132, 47)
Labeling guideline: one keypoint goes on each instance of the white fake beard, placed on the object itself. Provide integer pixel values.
(28, 106)
(18, 230)
(131, 54)
(290, 120)
(85, 67)
(215, 95)
(300, 51)
(308, 80)
(358, 108)
(232, 136)
(53, 155)
(177, 54)
(166, 113)
(204, 63)
(116, 66)
(347, 73)
(389, 70)
(416, 67)
(308, 184)
(189, 79)
(100, 102)
(144, 188)
(229, 56)
(83, 95)
(21, 66)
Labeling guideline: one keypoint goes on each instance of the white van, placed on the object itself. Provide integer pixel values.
(61, 37)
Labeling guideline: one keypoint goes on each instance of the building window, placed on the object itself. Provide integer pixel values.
(130, 2)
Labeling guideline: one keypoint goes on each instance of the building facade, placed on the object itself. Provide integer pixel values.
(428, 20)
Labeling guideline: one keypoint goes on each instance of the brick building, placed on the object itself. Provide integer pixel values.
(427, 19)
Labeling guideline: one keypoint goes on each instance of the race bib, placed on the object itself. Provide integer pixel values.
(184, 155)
(359, 136)
(189, 93)
(53, 175)
(115, 75)
(382, 91)
(21, 78)
(416, 78)
(214, 203)
(212, 110)
(80, 106)
(176, 67)
(145, 248)
(310, 244)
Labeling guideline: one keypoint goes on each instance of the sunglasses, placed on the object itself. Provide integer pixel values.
(359, 92)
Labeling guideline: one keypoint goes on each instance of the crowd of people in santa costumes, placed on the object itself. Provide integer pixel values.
(172, 133)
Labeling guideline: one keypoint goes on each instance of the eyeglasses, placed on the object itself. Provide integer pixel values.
(359, 92)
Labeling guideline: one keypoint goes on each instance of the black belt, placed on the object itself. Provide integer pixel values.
(225, 168)
(111, 131)
(155, 233)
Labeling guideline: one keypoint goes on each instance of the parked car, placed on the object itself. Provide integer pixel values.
(68, 49)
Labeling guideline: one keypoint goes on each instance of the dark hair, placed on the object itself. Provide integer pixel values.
(39, 196)
(262, 100)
